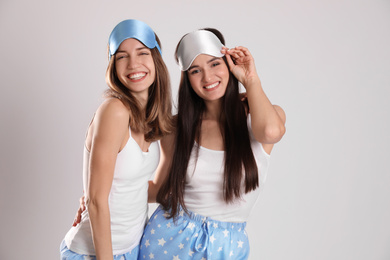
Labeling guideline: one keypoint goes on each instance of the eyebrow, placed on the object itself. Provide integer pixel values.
(137, 49)
(196, 66)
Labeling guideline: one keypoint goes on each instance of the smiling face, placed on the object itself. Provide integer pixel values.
(135, 67)
(208, 77)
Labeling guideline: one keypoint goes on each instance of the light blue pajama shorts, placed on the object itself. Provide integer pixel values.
(192, 236)
(67, 254)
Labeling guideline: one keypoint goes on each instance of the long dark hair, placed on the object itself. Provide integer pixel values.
(156, 120)
(233, 125)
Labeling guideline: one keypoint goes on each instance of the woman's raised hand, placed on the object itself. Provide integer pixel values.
(241, 64)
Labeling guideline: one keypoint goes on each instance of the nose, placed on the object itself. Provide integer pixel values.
(132, 62)
(206, 76)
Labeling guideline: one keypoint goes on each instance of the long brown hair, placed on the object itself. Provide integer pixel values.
(156, 120)
(239, 159)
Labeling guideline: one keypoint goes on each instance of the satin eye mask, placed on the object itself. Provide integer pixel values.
(132, 29)
(196, 43)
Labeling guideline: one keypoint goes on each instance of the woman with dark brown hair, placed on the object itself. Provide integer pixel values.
(217, 160)
(121, 152)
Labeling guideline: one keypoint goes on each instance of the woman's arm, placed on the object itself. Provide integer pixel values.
(105, 139)
(167, 146)
(267, 120)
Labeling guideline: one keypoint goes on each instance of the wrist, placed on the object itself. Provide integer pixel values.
(252, 83)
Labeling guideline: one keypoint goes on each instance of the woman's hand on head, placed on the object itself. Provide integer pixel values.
(241, 64)
(77, 218)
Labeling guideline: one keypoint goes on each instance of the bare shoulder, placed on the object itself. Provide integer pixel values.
(112, 107)
(168, 140)
(112, 116)
(109, 125)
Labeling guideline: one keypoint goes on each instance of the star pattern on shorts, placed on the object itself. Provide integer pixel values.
(225, 232)
(218, 237)
(191, 226)
(161, 241)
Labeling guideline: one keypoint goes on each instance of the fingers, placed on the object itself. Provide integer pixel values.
(77, 218)
(243, 96)
(82, 203)
(230, 61)
(225, 50)
(239, 51)
(242, 49)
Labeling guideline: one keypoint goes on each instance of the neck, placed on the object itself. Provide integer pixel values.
(213, 110)
(142, 99)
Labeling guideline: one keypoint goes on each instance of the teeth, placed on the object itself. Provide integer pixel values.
(212, 85)
(137, 75)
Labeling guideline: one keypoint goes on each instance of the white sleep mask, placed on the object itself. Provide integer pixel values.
(195, 43)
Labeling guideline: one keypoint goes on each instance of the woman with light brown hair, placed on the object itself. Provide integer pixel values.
(121, 151)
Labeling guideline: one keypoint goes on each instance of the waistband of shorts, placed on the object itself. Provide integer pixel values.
(200, 219)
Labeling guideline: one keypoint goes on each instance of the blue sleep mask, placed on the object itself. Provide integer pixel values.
(132, 29)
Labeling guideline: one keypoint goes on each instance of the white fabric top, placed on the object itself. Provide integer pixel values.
(128, 200)
(204, 184)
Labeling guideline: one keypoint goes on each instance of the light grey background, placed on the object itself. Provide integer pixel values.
(327, 63)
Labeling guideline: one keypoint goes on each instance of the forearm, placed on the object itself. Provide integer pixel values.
(167, 145)
(152, 192)
(267, 123)
(101, 229)
(156, 183)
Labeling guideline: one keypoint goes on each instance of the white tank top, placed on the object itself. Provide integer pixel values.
(128, 200)
(203, 192)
